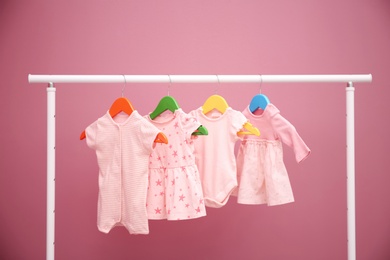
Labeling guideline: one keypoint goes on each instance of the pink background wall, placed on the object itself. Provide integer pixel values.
(196, 37)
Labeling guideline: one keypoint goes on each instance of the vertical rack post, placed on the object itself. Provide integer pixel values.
(351, 227)
(50, 206)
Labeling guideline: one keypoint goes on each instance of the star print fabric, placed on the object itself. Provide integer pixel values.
(174, 191)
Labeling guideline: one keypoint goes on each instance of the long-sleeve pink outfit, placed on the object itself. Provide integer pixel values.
(262, 175)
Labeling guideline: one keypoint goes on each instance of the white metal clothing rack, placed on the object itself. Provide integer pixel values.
(350, 111)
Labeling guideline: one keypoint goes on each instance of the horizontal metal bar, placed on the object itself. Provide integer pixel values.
(197, 78)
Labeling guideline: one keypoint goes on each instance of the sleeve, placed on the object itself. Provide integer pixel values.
(91, 133)
(289, 135)
(238, 120)
(189, 124)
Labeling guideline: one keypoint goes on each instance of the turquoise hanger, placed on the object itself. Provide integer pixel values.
(258, 101)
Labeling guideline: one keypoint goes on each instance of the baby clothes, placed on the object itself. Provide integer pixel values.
(262, 175)
(174, 191)
(215, 154)
(123, 145)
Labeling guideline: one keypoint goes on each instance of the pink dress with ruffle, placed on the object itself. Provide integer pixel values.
(174, 191)
(262, 175)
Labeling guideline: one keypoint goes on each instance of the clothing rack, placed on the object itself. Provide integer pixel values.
(350, 115)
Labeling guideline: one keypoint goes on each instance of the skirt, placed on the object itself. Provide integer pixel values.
(175, 193)
(261, 173)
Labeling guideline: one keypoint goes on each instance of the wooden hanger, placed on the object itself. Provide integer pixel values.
(161, 138)
(169, 103)
(123, 104)
(215, 102)
(219, 103)
(201, 131)
(251, 130)
(166, 103)
(258, 101)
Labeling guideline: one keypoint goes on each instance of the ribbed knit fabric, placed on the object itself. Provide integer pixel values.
(123, 145)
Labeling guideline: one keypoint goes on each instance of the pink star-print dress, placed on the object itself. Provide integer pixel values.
(174, 191)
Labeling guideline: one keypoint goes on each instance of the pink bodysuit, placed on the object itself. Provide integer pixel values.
(262, 175)
(123, 145)
(175, 191)
(215, 154)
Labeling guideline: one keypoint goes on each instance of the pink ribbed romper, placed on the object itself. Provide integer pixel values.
(123, 145)
(215, 154)
(175, 190)
(262, 175)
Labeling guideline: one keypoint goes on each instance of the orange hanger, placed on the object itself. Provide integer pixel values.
(161, 138)
(123, 104)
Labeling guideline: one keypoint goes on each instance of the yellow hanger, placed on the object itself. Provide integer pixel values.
(219, 103)
(251, 130)
(215, 102)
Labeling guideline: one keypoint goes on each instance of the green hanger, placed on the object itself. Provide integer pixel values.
(169, 103)
(166, 103)
(201, 131)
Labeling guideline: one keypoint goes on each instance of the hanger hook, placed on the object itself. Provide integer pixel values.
(216, 88)
(123, 88)
(261, 82)
(170, 83)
